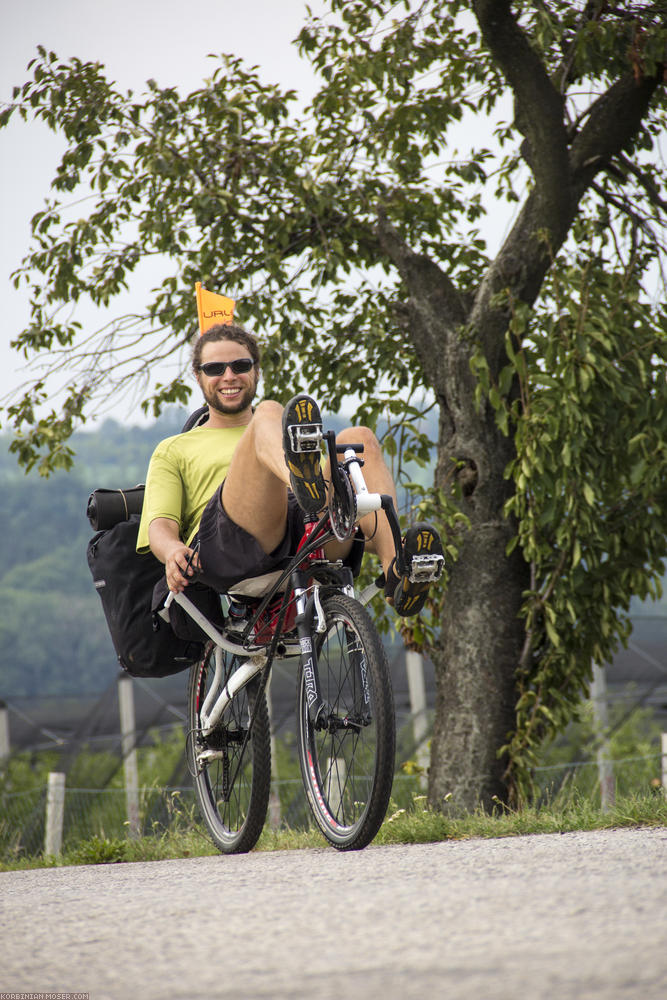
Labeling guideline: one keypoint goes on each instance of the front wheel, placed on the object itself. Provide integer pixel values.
(232, 774)
(347, 760)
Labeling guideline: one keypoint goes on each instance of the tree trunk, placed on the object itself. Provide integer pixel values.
(475, 663)
(481, 634)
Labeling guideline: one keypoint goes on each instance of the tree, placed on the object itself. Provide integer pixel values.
(349, 233)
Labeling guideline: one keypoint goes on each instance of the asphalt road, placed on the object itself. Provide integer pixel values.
(562, 916)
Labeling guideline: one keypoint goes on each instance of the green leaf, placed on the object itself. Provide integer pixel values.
(589, 495)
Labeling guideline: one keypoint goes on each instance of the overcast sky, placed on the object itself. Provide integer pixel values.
(167, 40)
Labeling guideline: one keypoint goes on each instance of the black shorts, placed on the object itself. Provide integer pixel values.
(229, 554)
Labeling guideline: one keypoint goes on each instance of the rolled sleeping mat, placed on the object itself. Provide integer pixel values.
(109, 507)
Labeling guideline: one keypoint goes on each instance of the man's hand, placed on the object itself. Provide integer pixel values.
(180, 561)
(180, 566)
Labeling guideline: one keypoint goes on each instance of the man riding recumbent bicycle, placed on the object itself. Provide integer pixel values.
(246, 505)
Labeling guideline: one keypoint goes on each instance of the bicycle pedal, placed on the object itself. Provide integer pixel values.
(426, 569)
(304, 437)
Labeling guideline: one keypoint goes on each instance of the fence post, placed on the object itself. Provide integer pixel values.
(414, 668)
(4, 732)
(55, 814)
(128, 743)
(598, 695)
(664, 763)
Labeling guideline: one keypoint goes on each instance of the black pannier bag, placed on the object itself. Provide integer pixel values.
(145, 644)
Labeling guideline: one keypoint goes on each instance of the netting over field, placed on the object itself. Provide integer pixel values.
(91, 754)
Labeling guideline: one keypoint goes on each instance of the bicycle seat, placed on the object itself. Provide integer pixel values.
(255, 586)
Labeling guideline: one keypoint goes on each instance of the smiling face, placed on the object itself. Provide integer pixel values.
(229, 396)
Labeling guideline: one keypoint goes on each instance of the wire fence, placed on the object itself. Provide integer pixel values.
(103, 810)
(102, 813)
(88, 813)
(91, 757)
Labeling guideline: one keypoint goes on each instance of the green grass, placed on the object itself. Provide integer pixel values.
(413, 825)
(421, 825)
(567, 799)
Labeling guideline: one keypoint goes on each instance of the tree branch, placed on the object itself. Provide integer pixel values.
(435, 304)
(645, 180)
(538, 104)
(562, 75)
(612, 123)
(624, 206)
(418, 269)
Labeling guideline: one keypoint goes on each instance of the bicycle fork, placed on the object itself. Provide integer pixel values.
(311, 622)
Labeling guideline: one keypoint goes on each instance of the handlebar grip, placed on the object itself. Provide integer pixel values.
(342, 448)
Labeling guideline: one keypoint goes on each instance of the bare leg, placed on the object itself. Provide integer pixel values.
(375, 527)
(255, 490)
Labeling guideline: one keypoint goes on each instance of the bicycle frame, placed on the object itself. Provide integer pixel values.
(309, 563)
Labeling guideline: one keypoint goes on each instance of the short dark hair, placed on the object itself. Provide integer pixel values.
(225, 331)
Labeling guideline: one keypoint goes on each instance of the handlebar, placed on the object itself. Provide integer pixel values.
(342, 448)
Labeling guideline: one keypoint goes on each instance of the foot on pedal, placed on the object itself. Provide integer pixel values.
(302, 434)
(423, 564)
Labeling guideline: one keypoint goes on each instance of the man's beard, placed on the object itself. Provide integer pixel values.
(217, 402)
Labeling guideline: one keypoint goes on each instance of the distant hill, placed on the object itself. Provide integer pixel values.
(53, 635)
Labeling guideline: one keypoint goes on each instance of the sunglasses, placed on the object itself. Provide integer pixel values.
(214, 368)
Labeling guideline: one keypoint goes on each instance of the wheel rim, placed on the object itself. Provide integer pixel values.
(225, 768)
(341, 761)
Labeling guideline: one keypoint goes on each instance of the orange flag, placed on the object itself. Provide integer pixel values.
(212, 308)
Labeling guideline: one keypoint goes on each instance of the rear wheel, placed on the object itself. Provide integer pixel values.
(347, 762)
(232, 777)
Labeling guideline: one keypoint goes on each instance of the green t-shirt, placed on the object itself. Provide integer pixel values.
(184, 472)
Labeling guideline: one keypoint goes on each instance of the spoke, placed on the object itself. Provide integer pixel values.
(347, 764)
(338, 747)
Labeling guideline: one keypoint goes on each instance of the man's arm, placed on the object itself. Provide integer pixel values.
(167, 546)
